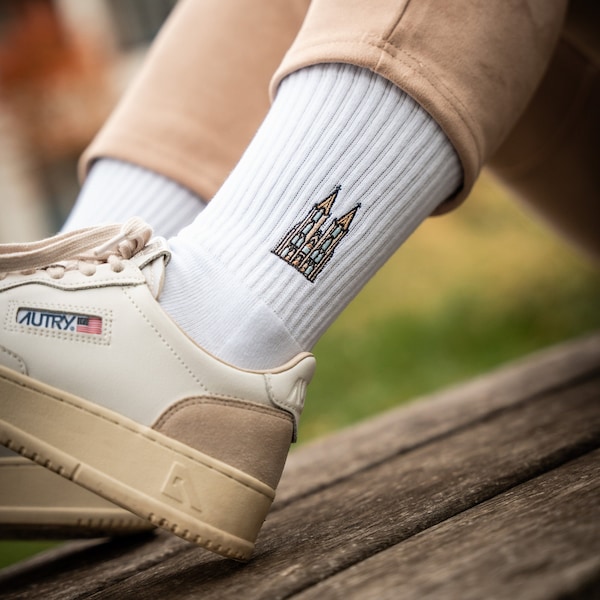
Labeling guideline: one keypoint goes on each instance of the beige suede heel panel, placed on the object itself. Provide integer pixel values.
(254, 439)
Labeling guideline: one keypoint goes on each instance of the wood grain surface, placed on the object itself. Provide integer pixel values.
(490, 489)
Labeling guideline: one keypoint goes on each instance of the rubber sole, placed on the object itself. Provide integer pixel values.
(171, 485)
(38, 504)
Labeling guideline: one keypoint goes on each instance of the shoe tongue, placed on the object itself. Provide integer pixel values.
(152, 262)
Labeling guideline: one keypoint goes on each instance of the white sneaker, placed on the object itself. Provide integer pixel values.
(35, 503)
(98, 384)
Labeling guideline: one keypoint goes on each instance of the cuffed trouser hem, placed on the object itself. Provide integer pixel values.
(202, 92)
(472, 64)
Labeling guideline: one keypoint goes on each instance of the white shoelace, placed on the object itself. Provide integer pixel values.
(83, 249)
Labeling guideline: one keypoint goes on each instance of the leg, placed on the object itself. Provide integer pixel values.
(453, 59)
(415, 48)
(206, 440)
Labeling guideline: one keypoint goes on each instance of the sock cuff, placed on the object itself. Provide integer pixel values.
(116, 190)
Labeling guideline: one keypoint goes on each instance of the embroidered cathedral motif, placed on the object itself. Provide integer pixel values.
(309, 244)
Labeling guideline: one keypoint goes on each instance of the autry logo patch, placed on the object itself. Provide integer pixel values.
(58, 321)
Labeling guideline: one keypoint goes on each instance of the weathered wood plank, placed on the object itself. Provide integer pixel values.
(539, 540)
(77, 568)
(437, 415)
(404, 462)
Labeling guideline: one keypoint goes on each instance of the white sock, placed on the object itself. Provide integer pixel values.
(330, 125)
(115, 191)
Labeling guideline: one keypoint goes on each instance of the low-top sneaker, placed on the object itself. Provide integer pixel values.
(98, 384)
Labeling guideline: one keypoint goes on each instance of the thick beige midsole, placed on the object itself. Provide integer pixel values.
(31, 495)
(146, 472)
(66, 517)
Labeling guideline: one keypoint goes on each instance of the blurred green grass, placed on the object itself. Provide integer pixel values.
(479, 287)
(15, 550)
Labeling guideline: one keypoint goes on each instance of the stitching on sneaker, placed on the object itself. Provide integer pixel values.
(165, 342)
(23, 366)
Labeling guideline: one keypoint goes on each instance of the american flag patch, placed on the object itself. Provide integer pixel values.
(89, 325)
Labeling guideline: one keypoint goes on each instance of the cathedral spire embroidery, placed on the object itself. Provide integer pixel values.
(309, 244)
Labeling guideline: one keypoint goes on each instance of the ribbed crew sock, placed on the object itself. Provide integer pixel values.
(343, 169)
(115, 191)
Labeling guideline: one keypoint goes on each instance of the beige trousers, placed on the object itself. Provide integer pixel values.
(508, 79)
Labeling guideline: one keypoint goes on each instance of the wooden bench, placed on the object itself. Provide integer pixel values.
(488, 490)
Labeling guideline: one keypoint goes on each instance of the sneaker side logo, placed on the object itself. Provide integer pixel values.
(307, 246)
(76, 323)
(178, 486)
(60, 321)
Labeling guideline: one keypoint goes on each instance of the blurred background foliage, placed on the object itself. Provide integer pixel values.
(469, 291)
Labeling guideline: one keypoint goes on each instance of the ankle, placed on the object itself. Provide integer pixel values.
(116, 191)
(221, 313)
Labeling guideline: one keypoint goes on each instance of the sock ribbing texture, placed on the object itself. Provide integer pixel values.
(230, 288)
(115, 191)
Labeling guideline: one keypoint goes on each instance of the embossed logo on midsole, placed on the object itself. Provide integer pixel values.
(178, 486)
(60, 321)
